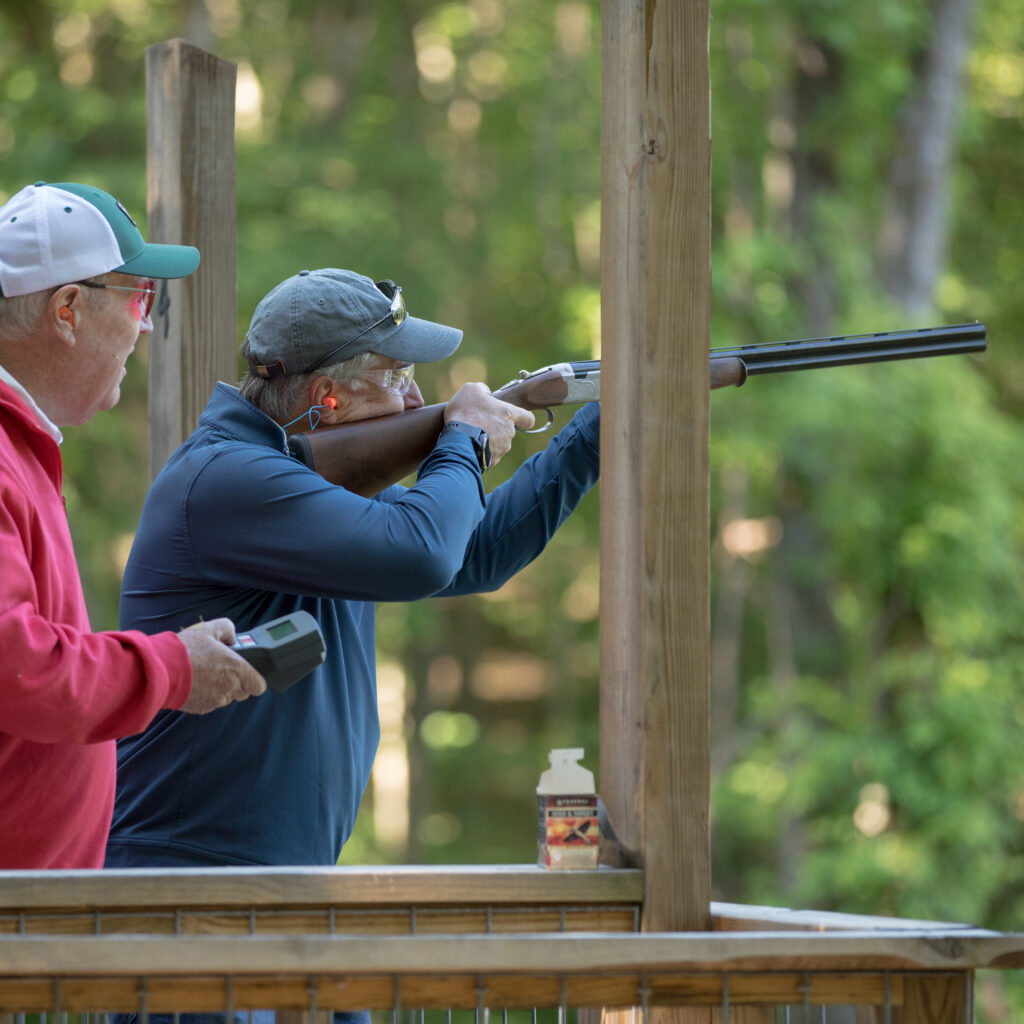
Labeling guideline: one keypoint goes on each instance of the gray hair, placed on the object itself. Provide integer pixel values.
(282, 398)
(20, 315)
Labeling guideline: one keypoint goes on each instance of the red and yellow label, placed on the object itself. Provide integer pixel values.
(567, 831)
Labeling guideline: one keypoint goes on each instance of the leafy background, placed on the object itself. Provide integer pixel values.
(867, 547)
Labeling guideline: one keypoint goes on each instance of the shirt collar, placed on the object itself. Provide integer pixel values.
(45, 422)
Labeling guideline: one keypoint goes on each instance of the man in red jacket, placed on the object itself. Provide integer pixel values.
(76, 289)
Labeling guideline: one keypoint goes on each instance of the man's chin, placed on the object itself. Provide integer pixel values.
(113, 397)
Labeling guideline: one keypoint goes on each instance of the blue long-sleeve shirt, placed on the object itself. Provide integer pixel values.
(235, 526)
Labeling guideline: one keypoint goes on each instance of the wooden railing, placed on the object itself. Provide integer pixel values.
(466, 938)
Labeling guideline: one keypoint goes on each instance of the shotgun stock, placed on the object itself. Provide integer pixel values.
(368, 455)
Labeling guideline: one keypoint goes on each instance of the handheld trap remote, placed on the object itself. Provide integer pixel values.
(283, 650)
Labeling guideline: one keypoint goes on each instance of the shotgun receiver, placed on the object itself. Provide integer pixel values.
(368, 455)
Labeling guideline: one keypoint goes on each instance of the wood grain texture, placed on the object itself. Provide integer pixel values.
(739, 917)
(326, 921)
(655, 299)
(622, 626)
(926, 976)
(747, 994)
(588, 953)
(269, 888)
(190, 138)
(936, 1000)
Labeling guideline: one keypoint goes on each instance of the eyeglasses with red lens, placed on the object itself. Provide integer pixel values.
(146, 291)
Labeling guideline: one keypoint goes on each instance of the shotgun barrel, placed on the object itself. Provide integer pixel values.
(816, 353)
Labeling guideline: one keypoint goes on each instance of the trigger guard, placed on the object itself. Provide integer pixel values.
(539, 430)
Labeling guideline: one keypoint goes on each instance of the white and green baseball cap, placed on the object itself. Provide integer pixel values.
(58, 234)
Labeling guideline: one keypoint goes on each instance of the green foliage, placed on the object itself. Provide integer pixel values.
(871, 761)
(890, 760)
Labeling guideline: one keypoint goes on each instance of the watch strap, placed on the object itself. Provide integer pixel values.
(481, 442)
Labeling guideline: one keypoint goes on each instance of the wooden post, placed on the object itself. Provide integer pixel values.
(947, 999)
(190, 135)
(655, 303)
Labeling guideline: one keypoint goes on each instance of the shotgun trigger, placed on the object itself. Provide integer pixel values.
(539, 430)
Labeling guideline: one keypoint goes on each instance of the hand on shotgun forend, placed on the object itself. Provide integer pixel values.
(474, 404)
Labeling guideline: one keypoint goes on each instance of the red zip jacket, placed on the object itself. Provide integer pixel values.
(66, 693)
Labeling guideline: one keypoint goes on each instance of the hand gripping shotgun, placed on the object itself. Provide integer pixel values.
(368, 455)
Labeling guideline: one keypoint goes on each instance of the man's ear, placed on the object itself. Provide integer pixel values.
(62, 310)
(333, 400)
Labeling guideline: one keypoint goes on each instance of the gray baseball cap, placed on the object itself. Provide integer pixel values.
(329, 315)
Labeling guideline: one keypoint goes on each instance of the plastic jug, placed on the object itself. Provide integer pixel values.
(567, 827)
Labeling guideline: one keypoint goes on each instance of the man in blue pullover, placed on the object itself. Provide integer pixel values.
(235, 526)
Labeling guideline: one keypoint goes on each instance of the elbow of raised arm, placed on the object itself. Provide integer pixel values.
(427, 574)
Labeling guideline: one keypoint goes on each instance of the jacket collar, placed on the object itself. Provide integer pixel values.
(229, 413)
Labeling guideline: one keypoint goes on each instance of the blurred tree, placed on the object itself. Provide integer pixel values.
(915, 227)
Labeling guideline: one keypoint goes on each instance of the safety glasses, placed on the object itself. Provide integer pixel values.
(396, 312)
(397, 381)
(145, 292)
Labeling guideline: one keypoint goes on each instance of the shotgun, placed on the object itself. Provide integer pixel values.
(368, 455)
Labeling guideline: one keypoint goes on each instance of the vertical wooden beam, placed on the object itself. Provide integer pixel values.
(190, 137)
(936, 999)
(655, 302)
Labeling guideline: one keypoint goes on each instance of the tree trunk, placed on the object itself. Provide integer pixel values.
(914, 233)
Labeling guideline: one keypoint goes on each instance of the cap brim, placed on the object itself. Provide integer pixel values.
(419, 341)
(162, 261)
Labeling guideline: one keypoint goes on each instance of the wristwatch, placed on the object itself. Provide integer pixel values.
(481, 442)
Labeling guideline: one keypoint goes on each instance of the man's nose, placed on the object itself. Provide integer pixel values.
(413, 397)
